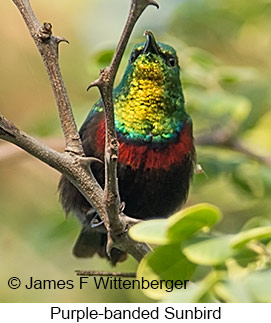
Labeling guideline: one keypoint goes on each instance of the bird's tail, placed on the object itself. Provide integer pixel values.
(91, 241)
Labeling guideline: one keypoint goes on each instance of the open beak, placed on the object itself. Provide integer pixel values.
(151, 45)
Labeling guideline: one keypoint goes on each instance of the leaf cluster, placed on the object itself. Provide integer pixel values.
(221, 267)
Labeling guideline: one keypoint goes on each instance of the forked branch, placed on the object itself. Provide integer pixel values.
(72, 163)
(105, 84)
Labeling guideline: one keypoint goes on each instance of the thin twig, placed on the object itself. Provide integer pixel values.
(47, 45)
(105, 84)
(11, 153)
(74, 167)
(104, 273)
(72, 162)
(226, 139)
(239, 147)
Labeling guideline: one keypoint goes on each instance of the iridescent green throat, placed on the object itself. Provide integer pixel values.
(149, 102)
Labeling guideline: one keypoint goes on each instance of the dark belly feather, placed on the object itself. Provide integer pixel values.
(148, 192)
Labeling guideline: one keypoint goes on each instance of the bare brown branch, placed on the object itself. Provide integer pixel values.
(105, 84)
(227, 139)
(73, 166)
(104, 273)
(10, 153)
(238, 146)
(76, 168)
(72, 162)
(47, 45)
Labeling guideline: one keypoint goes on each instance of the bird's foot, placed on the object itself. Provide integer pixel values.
(122, 207)
(96, 222)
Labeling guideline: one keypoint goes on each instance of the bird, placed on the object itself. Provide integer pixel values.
(156, 147)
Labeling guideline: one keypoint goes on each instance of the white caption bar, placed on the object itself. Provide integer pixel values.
(139, 312)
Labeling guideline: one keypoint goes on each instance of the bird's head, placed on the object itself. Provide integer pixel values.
(149, 100)
(154, 61)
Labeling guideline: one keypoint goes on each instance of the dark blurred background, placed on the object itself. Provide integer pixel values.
(224, 49)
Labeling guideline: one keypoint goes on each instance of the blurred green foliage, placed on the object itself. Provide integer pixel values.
(222, 267)
(224, 49)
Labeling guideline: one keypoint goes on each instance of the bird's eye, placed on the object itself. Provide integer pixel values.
(133, 57)
(172, 62)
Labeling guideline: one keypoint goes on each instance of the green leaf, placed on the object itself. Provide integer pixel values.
(258, 92)
(232, 292)
(254, 287)
(246, 256)
(214, 165)
(252, 179)
(257, 221)
(152, 231)
(259, 285)
(103, 58)
(202, 57)
(244, 237)
(178, 227)
(230, 74)
(208, 250)
(196, 292)
(220, 106)
(191, 220)
(165, 263)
